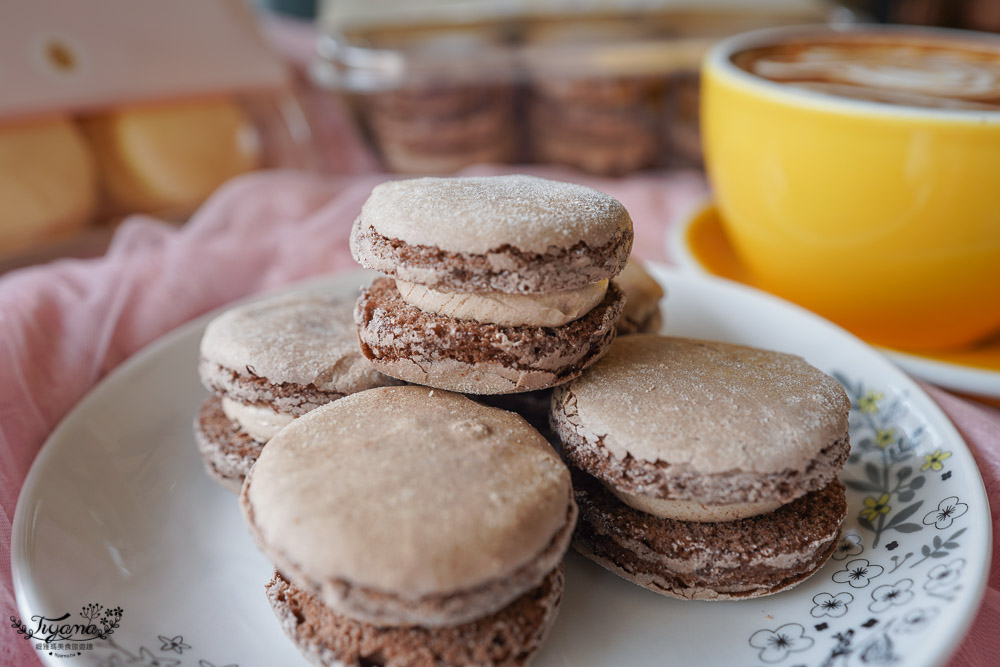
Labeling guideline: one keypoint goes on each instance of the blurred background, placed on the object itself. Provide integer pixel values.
(116, 108)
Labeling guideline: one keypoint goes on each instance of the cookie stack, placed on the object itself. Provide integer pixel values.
(411, 526)
(705, 470)
(494, 285)
(441, 128)
(586, 111)
(267, 363)
(606, 126)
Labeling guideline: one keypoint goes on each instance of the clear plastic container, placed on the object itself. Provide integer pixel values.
(607, 87)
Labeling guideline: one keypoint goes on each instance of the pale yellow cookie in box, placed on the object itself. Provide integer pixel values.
(48, 182)
(171, 157)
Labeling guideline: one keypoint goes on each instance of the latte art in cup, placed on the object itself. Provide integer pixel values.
(884, 69)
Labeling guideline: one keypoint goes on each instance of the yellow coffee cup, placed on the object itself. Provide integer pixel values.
(865, 191)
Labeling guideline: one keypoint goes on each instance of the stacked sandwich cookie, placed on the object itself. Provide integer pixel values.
(412, 527)
(495, 285)
(705, 470)
(268, 363)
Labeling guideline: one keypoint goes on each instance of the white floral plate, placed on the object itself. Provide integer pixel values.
(119, 529)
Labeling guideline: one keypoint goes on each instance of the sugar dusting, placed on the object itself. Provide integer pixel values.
(478, 214)
(355, 490)
(715, 406)
(302, 338)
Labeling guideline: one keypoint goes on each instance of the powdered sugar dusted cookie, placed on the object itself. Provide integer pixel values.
(269, 362)
(706, 448)
(412, 519)
(495, 285)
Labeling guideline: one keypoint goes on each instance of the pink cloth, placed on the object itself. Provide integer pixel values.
(65, 325)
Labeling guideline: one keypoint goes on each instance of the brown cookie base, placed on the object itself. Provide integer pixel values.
(503, 269)
(659, 479)
(407, 343)
(508, 637)
(227, 450)
(747, 558)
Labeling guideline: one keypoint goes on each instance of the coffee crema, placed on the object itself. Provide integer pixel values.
(892, 69)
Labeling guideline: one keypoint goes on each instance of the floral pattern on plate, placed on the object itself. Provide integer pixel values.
(891, 571)
(171, 654)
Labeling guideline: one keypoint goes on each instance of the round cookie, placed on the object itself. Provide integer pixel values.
(642, 301)
(720, 424)
(512, 234)
(267, 363)
(507, 637)
(171, 156)
(495, 285)
(708, 438)
(411, 506)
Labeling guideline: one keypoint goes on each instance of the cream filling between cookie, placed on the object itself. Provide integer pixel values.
(689, 510)
(259, 422)
(540, 310)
